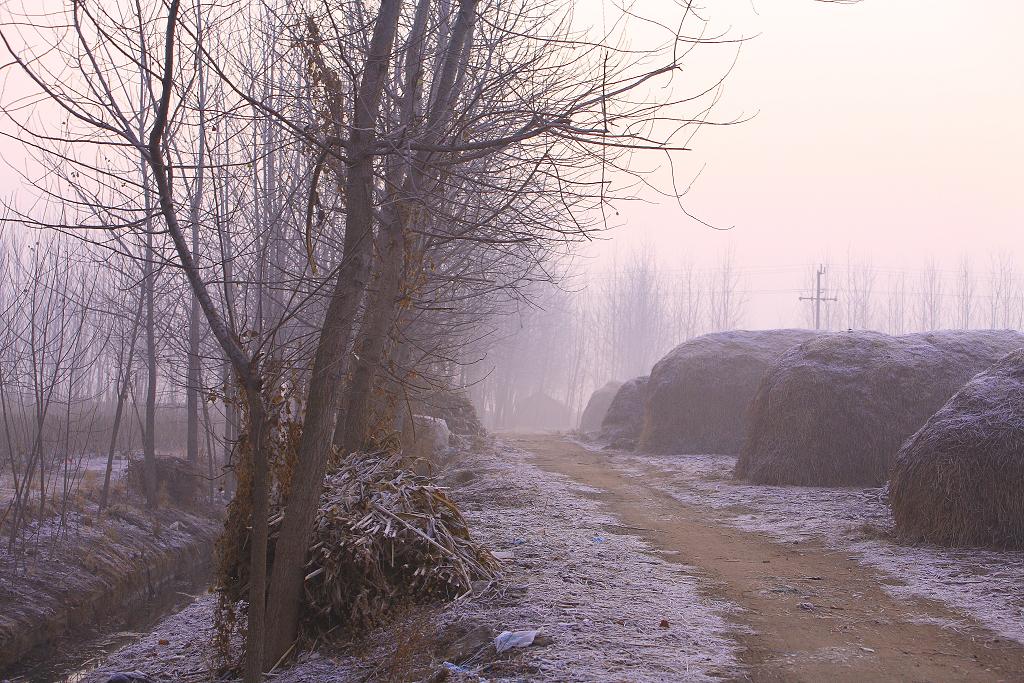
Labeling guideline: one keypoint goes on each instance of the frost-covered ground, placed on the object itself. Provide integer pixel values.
(68, 583)
(86, 470)
(986, 585)
(598, 590)
(612, 609)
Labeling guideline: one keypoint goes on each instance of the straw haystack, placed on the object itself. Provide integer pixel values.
(452, 406)
(178, 481)
(834, 410)
(597, 407)
(540, 413)
(624, 420)
(426, 443)
(699, 393)
(958, 481)
(383, 538)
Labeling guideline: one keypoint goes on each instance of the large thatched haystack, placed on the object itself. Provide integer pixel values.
(834, 410)
(597, 407)
(959, 481)
(624, 420)
(698, 394)
(541, 413)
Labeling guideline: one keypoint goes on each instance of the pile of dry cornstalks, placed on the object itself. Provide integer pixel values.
(383, 537)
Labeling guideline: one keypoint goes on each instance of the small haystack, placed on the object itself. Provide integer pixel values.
(178, 481)
(959, 481)
(624, 420)
(597, 407)
(834, 410)
(426, 443)
(540, 413)
(452, 406)
(383, 538)
(699, 393)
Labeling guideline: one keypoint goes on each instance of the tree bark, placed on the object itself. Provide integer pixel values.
(255, 634)
(321, 405)
(122, 394)
(149, 438)
(381, 311)
(407, 203)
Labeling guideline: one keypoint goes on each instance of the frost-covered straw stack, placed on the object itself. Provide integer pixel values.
(834, 410)
(959, 481)
(385, 536)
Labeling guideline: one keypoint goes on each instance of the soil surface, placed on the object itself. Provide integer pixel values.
(807, 612)
(663, 568)
(569, 570)
(81, 589)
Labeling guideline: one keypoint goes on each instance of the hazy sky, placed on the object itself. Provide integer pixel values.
(889, 130)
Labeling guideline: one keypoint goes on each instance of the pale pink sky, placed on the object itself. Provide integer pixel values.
(887, 129)
(890, 130)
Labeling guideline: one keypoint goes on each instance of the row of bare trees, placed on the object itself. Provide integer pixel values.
(616, 322)
(344, 196)
(75, 388)
(969, 295)
(612, 324)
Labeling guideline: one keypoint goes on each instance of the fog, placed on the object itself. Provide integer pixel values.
(876, 141)
(511, 340)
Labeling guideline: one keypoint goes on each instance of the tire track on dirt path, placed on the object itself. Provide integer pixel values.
(810, 613)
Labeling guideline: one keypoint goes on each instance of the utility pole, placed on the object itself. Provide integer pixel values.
(819, 296)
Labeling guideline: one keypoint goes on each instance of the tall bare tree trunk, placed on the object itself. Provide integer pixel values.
(383, 307)
(381, 311)
(230, 427)
(122, 395)
(324, 389)
(208, 431)
(149, 438)
(195, 312)
(256, 630)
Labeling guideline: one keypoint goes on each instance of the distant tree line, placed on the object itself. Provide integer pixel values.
(969, 296)
(616, 321)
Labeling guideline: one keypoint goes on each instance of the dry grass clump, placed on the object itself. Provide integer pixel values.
(958, 481)
(834, 410)
(624, 419)
(699, 393)
(383, 538)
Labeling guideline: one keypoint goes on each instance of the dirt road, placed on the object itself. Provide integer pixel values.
(807, 613)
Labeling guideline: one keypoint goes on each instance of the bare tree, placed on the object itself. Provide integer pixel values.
(896, 305)
(725, 299)
(857, 294)
(687, 304)
(964, 295)
(125, 359)
(1002, 285)
(930, 308)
